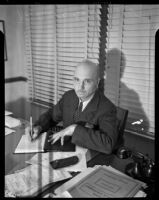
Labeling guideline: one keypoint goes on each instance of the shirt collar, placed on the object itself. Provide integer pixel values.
(86, 102)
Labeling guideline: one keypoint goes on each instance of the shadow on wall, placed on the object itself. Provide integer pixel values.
(23, 109)
(112, 73)
(20, 108)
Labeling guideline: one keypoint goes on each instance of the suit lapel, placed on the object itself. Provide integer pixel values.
(92, 105)
(88, 112)
(73, 105)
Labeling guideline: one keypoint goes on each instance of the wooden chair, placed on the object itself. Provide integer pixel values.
(122, 115)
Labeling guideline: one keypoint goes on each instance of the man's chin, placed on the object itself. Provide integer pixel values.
(82, 96)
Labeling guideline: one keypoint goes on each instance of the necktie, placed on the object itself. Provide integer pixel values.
(78, 111)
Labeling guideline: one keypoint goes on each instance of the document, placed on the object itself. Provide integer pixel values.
(33, 178)
(39, 145)
(27, 146)
(8, 113)
(45, 159)
(8, 131)
(65, 194)
(12, 122)
(101, 182)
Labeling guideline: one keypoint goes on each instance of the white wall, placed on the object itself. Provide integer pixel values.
(15, 66)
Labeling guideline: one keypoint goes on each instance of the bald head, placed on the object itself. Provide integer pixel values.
(86, 79)
(86, 67)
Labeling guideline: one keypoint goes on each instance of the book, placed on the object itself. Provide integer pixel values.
(41, 144)
(66, 147)
(101, 182)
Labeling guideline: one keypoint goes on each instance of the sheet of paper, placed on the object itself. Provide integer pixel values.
(8, 131)
(27, 146)
(45, 159)
(65, 194)
(140, 194)
(12, 122)
(81, 150)
(8, 112)
(32, 178)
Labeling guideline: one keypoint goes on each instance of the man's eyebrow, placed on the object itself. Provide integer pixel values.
(88, 79)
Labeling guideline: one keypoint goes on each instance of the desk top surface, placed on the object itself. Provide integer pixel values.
(15, 162)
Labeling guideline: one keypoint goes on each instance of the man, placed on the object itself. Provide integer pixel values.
(95, 127)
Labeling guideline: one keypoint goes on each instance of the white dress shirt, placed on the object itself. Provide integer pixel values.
(85, 103)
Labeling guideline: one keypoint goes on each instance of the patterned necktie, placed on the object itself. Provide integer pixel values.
(78, 111)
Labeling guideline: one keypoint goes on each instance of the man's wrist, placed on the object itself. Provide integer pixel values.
(73, 127)
(38, 127)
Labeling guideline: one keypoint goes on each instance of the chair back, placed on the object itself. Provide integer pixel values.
(122, 115)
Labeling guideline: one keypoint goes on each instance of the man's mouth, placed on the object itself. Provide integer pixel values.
(81, 92)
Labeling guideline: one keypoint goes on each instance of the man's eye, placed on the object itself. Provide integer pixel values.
(76, 79)
(87, 81)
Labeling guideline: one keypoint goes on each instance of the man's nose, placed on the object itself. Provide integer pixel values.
(81, 85)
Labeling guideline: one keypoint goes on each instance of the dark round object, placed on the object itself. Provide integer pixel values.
(123, 153)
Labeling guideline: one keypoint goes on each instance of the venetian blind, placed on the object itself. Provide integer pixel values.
(130, 63)
(40, 23)
(58, 37)
(78, 28)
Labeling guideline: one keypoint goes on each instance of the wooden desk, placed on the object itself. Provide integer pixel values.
(15, 162)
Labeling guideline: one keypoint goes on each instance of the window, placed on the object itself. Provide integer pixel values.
(130, 55)
(60, 36)
(57, 38)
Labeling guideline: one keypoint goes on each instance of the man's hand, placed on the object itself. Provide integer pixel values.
(67, 131)
(36, 131)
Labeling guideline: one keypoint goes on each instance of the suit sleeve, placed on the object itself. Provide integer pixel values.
(102, 140)
(51, 117)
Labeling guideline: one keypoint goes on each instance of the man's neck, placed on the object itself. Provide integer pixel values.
(87, 99)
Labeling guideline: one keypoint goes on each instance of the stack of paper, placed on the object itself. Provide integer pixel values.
(11, 122)
(8, 131)
(8, 113)
(28, 181)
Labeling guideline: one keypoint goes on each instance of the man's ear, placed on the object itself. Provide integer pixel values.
(98, 82)
(105, 75)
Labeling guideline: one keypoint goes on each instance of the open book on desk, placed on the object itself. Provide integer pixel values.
(41, 144)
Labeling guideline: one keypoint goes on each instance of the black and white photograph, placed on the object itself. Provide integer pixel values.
(79, 100)
(2, 30)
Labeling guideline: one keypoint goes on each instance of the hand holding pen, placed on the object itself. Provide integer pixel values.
(33, 131)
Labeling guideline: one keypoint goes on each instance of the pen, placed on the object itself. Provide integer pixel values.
(31, 125)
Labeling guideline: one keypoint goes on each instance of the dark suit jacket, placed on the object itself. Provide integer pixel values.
(97, 126)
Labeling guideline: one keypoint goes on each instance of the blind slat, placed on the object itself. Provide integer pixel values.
(131, 30)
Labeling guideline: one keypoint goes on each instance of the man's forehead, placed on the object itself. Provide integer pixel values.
(86, 68)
